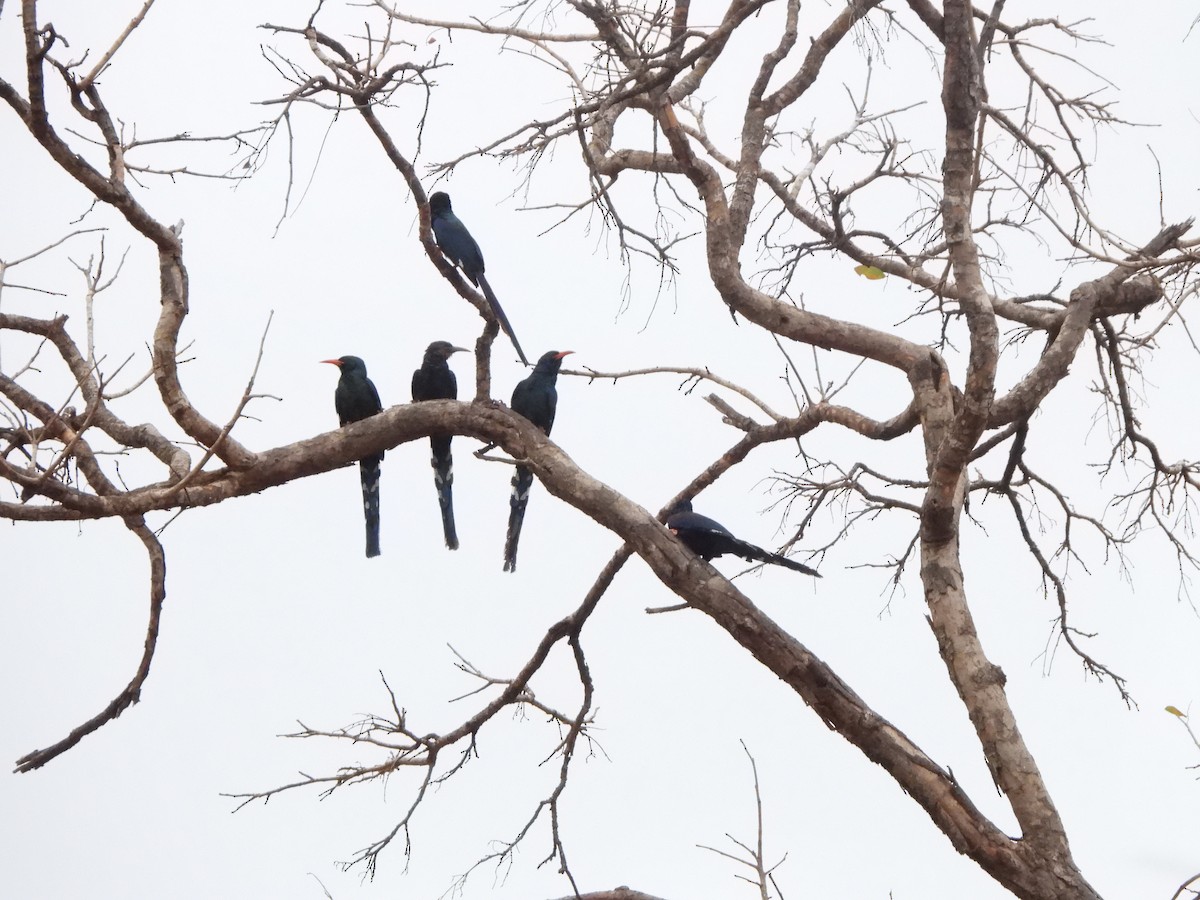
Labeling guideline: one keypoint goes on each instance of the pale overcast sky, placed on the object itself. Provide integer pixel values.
(273, 615)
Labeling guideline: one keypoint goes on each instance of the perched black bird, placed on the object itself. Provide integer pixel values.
(460, 248)
(355, 399)
(536, 399)
(435, 381)
(708, 539)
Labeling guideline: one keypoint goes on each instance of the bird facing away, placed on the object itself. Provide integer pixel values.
(536, 399)
(356, 399)
(460, 248)
(435, 381)
(708, 539)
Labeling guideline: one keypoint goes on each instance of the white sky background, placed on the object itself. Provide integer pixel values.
(273, 614)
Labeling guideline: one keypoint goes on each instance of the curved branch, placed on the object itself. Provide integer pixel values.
(1081, 311)
(132, 691)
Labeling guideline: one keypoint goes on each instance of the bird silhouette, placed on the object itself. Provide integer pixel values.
(435, 381)
(709, 539)
(535, 398)
(462, 250)
(355, 399)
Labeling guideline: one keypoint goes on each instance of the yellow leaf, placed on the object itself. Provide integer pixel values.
(1173, 711)
(869, 272)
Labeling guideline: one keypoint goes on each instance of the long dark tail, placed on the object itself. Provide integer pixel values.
(368, 473)
(748, 551)
(500, 316)
(521, 483)
(443, 480)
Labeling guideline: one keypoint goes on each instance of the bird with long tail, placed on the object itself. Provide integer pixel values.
(355, 399)
(535, 398)
(435, 381)
(709, 539)
(462, 250)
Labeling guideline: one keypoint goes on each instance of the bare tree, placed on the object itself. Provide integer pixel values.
(940, 202)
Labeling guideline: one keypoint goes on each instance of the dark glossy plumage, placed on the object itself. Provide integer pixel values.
(354, 399)
(435, 381)
(535, 398)
(462, 250)
(709, 539)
